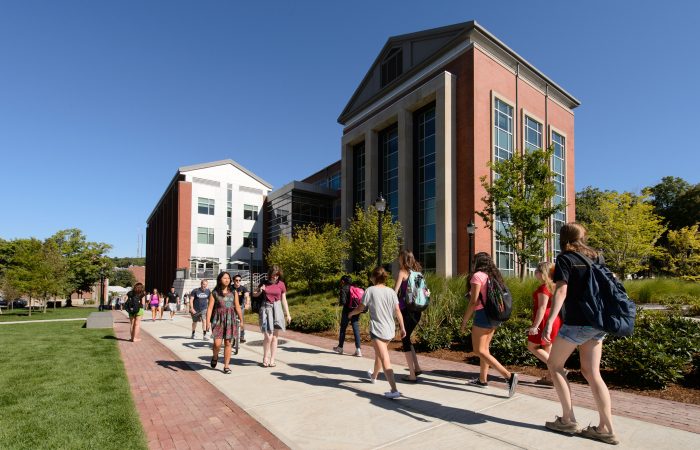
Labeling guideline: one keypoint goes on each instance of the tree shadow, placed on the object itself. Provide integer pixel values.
(115, 338)
(304, 350)
(176, 365)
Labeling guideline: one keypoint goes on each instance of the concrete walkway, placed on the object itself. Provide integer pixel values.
(317, 399)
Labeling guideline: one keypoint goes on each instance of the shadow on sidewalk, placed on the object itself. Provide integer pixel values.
(115, 338)
(303, 350)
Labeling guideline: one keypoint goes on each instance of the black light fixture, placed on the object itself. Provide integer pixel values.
(471, 229)
(251, 249)
(380, 204)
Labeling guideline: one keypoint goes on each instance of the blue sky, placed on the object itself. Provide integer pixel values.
(102, 101)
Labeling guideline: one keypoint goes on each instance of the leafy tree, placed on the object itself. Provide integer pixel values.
(363, 237)
(626, 232)
(122, 277)
(587, 202)
(684, 253)
(685, 211)
(22, 276)
(311, 254)
(128, 261)
(52, 273)
(520, 195)
(663, 196)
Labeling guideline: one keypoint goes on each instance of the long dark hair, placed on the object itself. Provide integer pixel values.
(408, 262)
(573, 237)
(220, 285)
(137, 291)
(484, 263)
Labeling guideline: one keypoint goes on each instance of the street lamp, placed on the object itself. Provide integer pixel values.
(380, 204)
(251, 249)
(471, 229)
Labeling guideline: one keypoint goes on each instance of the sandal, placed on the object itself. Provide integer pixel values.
(213, 362)
(227, 370)
(408, 379)
(272, 364)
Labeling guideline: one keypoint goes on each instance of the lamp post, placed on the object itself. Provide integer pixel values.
(251, 249)
(380, 204)
(471, 229)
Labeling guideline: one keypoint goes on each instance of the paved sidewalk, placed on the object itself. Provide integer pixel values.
(317, 399)
(178, 408)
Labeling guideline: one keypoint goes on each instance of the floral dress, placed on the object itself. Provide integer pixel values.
(223, 321)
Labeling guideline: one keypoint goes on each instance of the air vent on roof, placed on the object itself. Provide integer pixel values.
(205, 181)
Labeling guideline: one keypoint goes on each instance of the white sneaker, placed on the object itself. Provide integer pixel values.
(392, 395)
(358, 353)
(204, 337)
(338, 350)
(371, 377)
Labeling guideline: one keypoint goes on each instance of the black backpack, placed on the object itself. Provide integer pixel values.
(133, 304)
(498, 302)
(605, 302)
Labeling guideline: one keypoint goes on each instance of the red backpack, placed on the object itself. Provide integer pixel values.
(356, 294)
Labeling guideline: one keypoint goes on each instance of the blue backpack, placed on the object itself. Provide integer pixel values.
(417, 293)
(605, 302)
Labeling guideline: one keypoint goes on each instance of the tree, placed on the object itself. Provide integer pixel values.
(520, 196)
(122, 277)
(52, 274)
(684, 253)
(626, 232)
(587, 203)
(363, 237)
(22, 276)
(312, 254)
(663, 196)
(128, 261)
(685, 212)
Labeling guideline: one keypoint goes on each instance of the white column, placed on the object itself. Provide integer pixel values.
(445, 161)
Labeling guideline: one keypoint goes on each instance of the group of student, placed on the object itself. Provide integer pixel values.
(559, 326)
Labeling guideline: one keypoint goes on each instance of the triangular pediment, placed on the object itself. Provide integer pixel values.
(400, 57)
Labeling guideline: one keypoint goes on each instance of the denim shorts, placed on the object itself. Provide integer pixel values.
(580, 334)
(481, 320)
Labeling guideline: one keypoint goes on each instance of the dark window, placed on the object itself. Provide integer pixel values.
(247, 237)
(250, 212)
(389, 168)
(425, 186)
(392, 66)
(358, 175)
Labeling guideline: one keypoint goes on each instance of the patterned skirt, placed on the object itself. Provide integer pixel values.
(223, 324)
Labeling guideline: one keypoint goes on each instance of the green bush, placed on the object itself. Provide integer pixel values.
(509, 344)
(313, 320)
(440, 323)
(522, 295)
(653, 290)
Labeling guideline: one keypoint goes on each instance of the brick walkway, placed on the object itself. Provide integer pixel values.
(178, 408)
(667, 413)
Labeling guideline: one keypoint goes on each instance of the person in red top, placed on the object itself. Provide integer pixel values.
(540, 313)
(274, 313)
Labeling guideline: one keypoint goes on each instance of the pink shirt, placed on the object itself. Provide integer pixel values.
(480, 278)
(273, 292)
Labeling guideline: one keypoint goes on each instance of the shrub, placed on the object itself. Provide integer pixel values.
(652, 290)
(440, 323)
(314, 320)
(509, 344)
(522, 295)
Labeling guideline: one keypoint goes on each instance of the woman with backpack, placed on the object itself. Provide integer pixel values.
(483, 327)
(224, 307)
(408, 264)
(349, 300)
(540, 313)
(570, 273)
(383, 305)
(274, 313)
(134, 306)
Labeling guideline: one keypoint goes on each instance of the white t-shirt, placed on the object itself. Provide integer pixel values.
(381, 302)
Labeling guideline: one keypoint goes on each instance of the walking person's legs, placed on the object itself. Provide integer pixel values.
(241, 325)
(561, 350)
(132, 325)
(273, 346)
(410, 320)
(227, 353)
(153, 313)
(216, 348)
(590, 353)
(267, 340)
(540, 351)
(380, 347)
(355, 321)
(137, 329)
(343, 326)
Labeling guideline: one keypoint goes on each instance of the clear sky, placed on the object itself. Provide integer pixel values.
(102, 101)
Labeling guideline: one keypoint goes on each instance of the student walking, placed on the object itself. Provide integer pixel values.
(483, 328)
(541, 310)
(345, 299)
(161, 305)
(199, 302)
(224, 307)
(135, 302)
(408, 264)
(172, 302)
(383, 305)
(570, 275)
(272, 318)
(153, 304)
(243, 298)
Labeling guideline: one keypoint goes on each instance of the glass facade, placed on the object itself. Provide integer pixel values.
(205, 206)
(247, 237)
(358, 175)
(559, 169)
(503, 149)
(297, 208)
(389, 169)
(533, 134)
(205, 235)
(425, 184)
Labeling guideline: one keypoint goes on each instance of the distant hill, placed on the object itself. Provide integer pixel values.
(126, 262)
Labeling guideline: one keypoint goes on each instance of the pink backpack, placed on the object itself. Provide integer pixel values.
(356, 294)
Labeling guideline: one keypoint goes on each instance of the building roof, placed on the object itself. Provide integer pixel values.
(426, 47)
(221, 163)
(301, 186)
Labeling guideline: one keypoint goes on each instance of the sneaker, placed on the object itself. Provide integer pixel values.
(512, 384)
(592, 432)
(358, 353)
(392, 395)
(192, 337)
(558, 425)
(371, 377)
(338, 350)
(204, 337)
(242, 340)
(477, 383)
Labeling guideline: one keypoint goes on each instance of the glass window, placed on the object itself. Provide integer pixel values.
(358, 175)
(558, 167)
(503, 149)
(389, 168)
(247, 237)
(533, 134)
(424, 124)
(205, 235)
(250, 212)
(205, 206)
(392, 66)
(334, 182)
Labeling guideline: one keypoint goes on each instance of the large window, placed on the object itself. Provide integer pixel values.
(503, 149)
(558, 167)
(424, 126)
(247, 237)
(205, 235)
(358, 175)
(392, 66)
(533, 134)
(389, 168)
(250, 212)
(205, 206)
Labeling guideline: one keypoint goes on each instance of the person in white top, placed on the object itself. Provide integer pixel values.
(383, 305)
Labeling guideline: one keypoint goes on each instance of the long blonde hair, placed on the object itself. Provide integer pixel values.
(573, 237)
(546, 268)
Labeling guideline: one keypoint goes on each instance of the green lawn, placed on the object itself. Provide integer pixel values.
(64, 386)
(59, 313)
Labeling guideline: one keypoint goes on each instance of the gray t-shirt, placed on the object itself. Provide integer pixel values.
(381, 302)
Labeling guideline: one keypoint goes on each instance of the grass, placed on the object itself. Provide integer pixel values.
(18, 314)
(657, 289)
(64, 386)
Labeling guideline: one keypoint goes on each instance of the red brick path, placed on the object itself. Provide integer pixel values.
(179, 409)
(667, 413)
